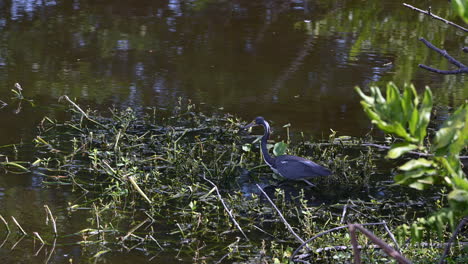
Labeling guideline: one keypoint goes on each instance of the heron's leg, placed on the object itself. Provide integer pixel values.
(309, 183)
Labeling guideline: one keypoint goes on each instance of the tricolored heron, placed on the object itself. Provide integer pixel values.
(288, 166)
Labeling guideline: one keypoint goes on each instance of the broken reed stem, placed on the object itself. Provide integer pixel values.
(81, 111)
(139, 190)
(343, 215)
(354, 243)
(281, 216)
(385, 247)
(98, 224)
(452, 238)
(19, 226)
(75, 105)
(38, 236)
(54, 224)
(6, 223)
(226, 208)
(129, 233)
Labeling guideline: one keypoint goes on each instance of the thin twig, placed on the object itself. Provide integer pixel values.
(354, 243)
(442, 52)
(75, 105)
(157, 243)
(49, 212)
(343, 215)
(343, 248)
(139, 190)
(134, 229)
(81, 111)
(429, 13)
(462, 68)
(226, 207)
(391, 236)
(281, 216)
(454, 235)
(324, 233)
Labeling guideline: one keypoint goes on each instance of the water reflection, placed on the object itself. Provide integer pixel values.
(273, 58)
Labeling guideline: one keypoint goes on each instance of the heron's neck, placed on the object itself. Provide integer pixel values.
(268, 159)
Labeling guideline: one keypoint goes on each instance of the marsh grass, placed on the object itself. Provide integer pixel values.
(182, 183)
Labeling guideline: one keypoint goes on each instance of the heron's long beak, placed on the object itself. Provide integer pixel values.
(250, 125)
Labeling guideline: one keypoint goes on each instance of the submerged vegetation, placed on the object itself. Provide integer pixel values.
(193, 186)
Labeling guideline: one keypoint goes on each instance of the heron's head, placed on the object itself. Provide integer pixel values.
(259, 120)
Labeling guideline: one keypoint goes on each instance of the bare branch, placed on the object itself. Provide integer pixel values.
(429, 13)
(281, 216)
(385, 247)
(462, 68)
(354, 243)
(226, 208)
(454, 235)
(444, 53)
(324, 233)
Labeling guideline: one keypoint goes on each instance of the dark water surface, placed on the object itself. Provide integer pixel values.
(290, 61)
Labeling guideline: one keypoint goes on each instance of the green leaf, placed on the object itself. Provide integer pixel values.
(461, 183)
(429, 180)
(394, 103)
(424, 115)
(458, 200)
(280, 148)
(399, 149)
(14, 164)
(413, 121)
(461, 7)
(375, 91)
(419, 163)
(416, 233)
(407, 104)
(452, 137)
(417, 185)
(459, 196)
(367, 99)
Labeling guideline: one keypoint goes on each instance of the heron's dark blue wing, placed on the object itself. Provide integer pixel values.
(296, 168)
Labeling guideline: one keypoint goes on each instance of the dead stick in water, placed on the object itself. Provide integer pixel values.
(49, 212)
(452, 238)
(226, 208)
(19, 226)
(288, 226)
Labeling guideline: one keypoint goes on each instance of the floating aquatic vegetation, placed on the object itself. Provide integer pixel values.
(185, 183)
